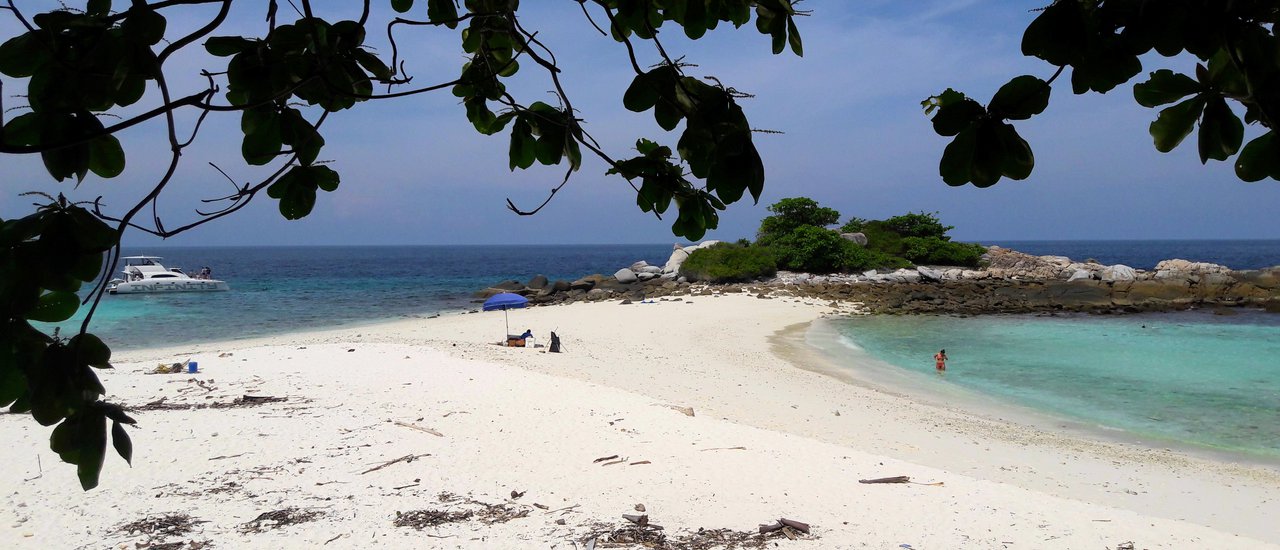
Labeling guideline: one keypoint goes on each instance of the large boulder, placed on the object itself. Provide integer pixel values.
(645, 275)
(538, 282)
(678, 256)
(1119, 272)
(640, 265)
(859, 239)
(582, 284)
(649, 269)
(625, 275)
(509, 285)
(1080, 275)
(929, 274)
(1006, 263)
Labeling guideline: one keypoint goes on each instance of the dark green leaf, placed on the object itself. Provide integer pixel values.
(443, 11)
(1020, 99)
(1175, 123)
(1058, 35)
(90, 350)
(1259, 159)
(953, 118)
(793, 37)
(106, 157)
(372, 64)
(523, 149)
(1017, 159)
(120, 440)
(55, 307)
(225, 46)
(67, 162)
(13, 383)
(1221, 132)
(261, 146)
(325, 178)
(144, 25)
(98, 7)
(956, 166)
(21, 55)
(549, 148)
(1165, 86)
(641, 95)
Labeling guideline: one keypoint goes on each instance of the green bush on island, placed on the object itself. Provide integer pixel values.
(730, 263)
(937, 251)
(792, 214)
(796, 238)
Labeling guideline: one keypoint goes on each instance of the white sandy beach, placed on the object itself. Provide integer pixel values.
(774, 433)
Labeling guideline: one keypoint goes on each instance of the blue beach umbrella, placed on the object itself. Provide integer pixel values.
(505, 301)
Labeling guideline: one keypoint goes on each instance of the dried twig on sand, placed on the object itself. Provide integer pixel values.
(419, 428)
(405, 458)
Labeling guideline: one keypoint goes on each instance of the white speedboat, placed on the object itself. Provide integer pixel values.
(145, 275)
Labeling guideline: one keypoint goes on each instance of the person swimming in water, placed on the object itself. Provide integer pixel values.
(940, 361)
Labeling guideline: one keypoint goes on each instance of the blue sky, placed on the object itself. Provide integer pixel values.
(855, 139)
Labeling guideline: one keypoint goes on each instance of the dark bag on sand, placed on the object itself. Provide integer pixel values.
(555, 343)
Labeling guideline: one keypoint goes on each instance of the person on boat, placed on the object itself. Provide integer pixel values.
(940, 361)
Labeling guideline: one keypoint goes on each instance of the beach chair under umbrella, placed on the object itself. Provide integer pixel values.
(505, 301)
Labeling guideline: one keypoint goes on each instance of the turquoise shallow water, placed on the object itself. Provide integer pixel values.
(1190, 378)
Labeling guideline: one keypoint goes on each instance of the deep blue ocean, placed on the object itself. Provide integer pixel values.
(1189, 378)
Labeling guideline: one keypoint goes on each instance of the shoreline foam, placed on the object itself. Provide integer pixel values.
(520, 420)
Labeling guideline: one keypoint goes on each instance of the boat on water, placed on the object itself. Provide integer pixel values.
(146, 275)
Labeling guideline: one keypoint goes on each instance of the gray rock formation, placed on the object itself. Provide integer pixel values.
(859, 239)
(1119, 272)
(625, 275)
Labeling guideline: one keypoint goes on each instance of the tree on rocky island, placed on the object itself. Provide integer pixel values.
(1101, 41)
(91, 72)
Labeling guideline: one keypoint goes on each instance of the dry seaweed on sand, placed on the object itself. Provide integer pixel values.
(167, 525)
(279, 518)
(704, 539)
(240, 402)
(421, 519)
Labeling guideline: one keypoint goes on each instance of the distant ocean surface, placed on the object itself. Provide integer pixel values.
(289, 289)
(1191, 378)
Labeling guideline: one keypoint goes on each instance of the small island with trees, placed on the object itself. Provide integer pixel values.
(797, 237)
(903, 265)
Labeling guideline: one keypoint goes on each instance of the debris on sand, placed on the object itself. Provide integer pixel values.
(279, 518)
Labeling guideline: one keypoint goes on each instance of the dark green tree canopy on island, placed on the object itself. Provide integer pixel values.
(92, 70)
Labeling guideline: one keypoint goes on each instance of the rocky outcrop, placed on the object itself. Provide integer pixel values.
(1014, 283)
(859, 239)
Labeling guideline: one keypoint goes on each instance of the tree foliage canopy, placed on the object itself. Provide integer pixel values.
(1101, 41)
(101, 67)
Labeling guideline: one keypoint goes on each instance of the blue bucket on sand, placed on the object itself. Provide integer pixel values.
(192, 367)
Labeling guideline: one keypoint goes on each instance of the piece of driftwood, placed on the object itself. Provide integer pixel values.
(724, 449)
(419, 428)
(797, 525)
(642, 521)
(405, 486)
(785, 523)
(604, 458)
(639, 463)
(405, 458)
(894, 479)
(619, 461)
